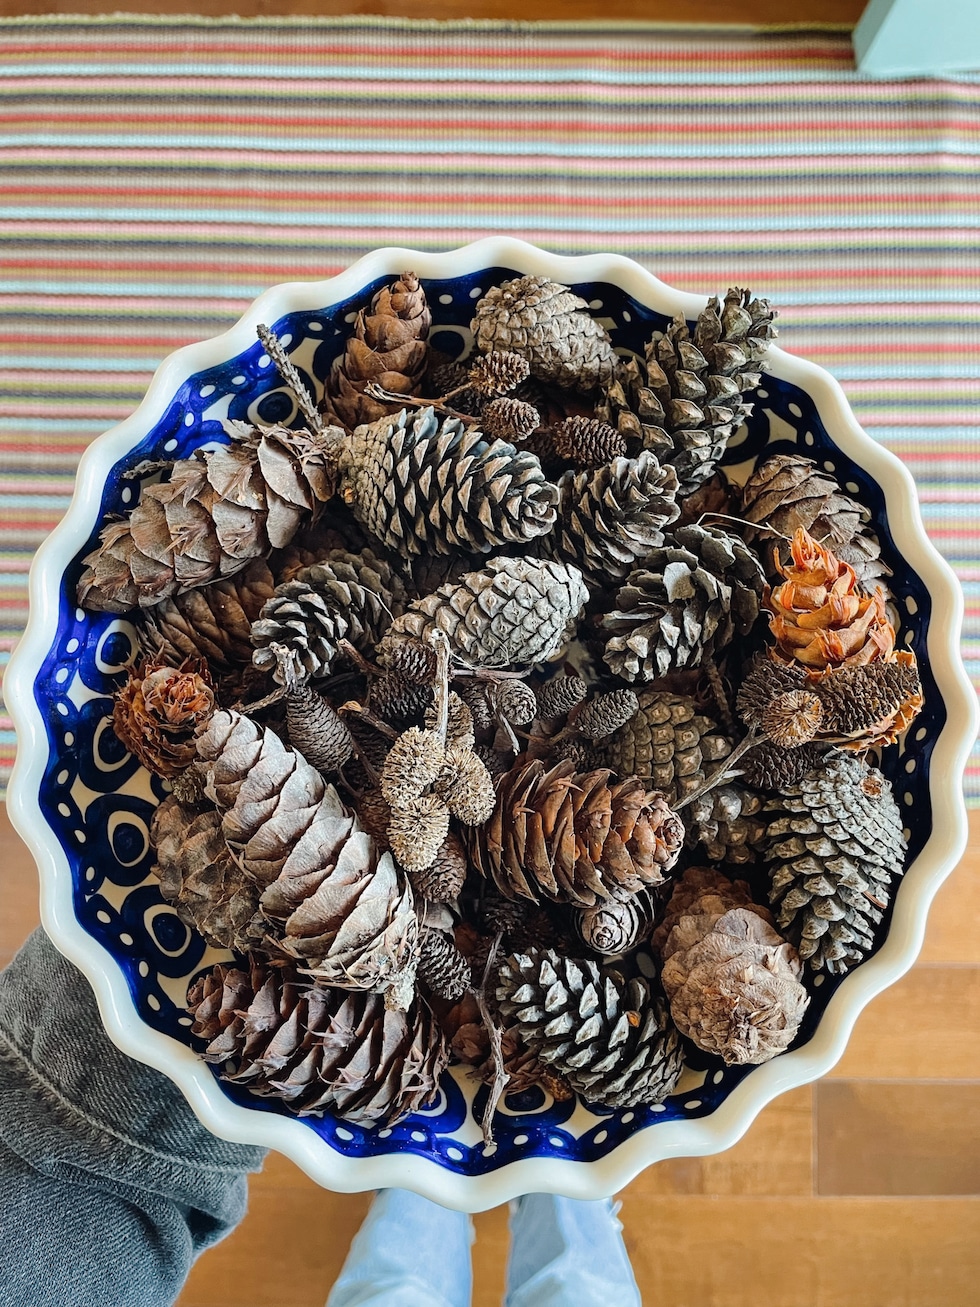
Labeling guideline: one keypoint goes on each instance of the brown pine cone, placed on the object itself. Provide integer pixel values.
(441, 965)
(442, 880)
(586, 442)
(557, 697)
(497, 372)
(513, 420)
(158, 711)
(316, 730)
(388, 347)
(212, 622)
(574, 838)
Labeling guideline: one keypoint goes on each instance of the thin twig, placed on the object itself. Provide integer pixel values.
(287, 370)
(718, 775)
(500, 1074)
(440, 642)
(352, 707)
(375, 391)
(742, 521)
(272, 697)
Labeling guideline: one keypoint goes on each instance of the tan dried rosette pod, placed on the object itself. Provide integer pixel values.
(733, 982)
(819, 615)
(339, 905)
(389, 348)
(159, 709)
(317, 1048)
(575, 838)
(219, 510)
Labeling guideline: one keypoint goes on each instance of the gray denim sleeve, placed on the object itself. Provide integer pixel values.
(109, 1185)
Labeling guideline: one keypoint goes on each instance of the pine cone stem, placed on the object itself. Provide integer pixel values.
(500, 1074)
(440, 643)
(376, 391)
(753, 738)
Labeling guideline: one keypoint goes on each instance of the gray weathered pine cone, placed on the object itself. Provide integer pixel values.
(678, 747)
(213, 622)
(610, 1038)
(343, 596)
(421, 483)
(200, 878)
(689, 597)
(787, 491)
(219, 510)
(551, 327)
(318, 1049)
(610, 517)
(834, 847)
(389, 347)
(513, 611)
(733, 982)
(686, 398)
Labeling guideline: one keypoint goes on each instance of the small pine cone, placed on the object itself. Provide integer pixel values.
(474, 695)
(421, 483)
(610, 517)
(198, 875)
(318, 1049)
(515, 701)
(768, 766)
(510, 419)
(388, 346)
(417, 831)
(703, 889)
(733, 982)
(869, 705)
(616, 925)
(560, 695)
(414, 762)
(221, 509)
(466, 787)
(494, 760)
(689, 598)
(399, 701)
(441, 965)
(459, 721)
(514, 611)
(497, 372)
(834, 844)
(586, 442)
(158, 712)
(686, 398)
(551, 327)
(818, 615)
(572, 837)
(610, 1038)
(765, 680)
(316, 731)
(412, 660)
(606, 713)
(374, 815)
(442, 881)
(213, 622)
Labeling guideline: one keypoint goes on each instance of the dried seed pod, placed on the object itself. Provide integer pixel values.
(459, 721)
(417, 831)
(792, 718)
(158, 711)
(414, 761)
(465, 786)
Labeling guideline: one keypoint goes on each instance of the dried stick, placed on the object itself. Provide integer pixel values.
(287, 370)
(500, 1074)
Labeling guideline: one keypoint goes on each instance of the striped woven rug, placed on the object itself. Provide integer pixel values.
(157, 174)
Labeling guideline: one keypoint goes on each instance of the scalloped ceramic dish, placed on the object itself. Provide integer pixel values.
(83, 805)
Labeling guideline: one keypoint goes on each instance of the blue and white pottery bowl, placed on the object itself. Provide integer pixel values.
(84, 805)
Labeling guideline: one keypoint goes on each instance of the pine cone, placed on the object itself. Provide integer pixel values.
(441, 965)
(557, 697)
(615, 925)
(515, 701)
(606, 713)
(586, 442)
(677, 747)
(399, 701)
(344, 596)
(689, 598)
(316, 731)
(220, 510)
(610, 1038)
(337, 901)
(514, 611)
(574, 838)
(470, 1042)
(834, 845)
(442, 880)
(421, 483)
(497, 372)
(213, 622)
(787, 491)
(819, 616)
(610, 518)
(158, 711)
(318, 1049)
(686, 399)
(198, 875)
(551, 327)
(509, 419)
(733, 982)
(388, 347)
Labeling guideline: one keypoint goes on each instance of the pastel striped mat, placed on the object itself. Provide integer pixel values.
(157, 174)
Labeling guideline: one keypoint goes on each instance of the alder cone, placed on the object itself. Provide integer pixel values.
(576, 838)
(318, 1049)
(219, 510)
(389, 347)
(425, 483)
(610, 1038)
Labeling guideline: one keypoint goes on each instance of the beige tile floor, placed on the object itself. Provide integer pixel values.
(860, 1191)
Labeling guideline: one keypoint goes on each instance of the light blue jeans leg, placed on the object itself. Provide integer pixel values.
(565, 1252)
(409, 1252)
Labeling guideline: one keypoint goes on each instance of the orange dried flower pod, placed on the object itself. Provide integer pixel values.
(820, 617)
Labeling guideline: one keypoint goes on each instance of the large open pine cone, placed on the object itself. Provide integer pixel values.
(575, 838)
(610, 1038)
(317, 1048)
